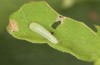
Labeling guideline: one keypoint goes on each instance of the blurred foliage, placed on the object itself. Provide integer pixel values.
(16, 52)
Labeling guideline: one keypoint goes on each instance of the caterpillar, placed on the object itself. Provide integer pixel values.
(37, 28)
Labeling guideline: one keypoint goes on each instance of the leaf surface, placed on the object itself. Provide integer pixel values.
(73, 36)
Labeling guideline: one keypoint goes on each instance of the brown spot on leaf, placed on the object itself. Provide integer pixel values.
(13, 26)
(60, 18)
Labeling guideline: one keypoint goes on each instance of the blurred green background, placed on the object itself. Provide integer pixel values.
(19, 52)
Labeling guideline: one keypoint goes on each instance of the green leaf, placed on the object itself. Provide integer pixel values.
(73, 36)
(32, 12)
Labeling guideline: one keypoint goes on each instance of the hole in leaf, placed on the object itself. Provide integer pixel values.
(59, 21)
(56, 24)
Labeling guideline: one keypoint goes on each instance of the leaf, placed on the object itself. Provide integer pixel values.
(25, 15)
(73, 36)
